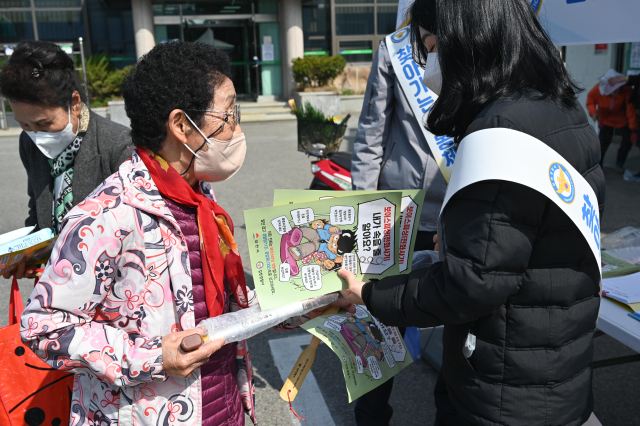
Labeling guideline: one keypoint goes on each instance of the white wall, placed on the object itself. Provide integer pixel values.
(586, 67)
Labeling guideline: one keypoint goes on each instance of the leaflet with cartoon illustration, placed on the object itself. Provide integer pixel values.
(412, 201)
(370, 352)
(296, 250)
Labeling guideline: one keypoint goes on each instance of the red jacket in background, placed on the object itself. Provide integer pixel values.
(619, 113)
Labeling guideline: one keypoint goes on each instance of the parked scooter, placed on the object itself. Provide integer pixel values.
(332, 172)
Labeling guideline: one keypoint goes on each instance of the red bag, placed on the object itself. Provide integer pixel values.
(31, 392)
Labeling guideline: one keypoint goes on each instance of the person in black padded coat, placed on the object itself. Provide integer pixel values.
(516, 271)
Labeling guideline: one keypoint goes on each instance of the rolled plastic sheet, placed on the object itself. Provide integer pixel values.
(246, 323)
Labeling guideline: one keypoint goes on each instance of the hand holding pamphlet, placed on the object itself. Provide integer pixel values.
(25, 246)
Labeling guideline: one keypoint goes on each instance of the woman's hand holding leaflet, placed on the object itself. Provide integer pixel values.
(179, 363)
(22, 272)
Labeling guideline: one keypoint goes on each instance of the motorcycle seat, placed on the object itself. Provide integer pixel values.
(342, 159)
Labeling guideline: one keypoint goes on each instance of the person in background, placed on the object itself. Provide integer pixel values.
(515, 270)
(612, 112)
(634, 82)
(67, 150)
(391, 152)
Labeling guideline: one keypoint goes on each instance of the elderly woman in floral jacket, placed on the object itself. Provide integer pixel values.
(149, 254)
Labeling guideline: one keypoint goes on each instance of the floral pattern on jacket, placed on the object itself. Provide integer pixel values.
(117, 281)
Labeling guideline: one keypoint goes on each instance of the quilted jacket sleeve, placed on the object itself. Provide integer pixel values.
(65, 321)
(487, 249)
(488, 233)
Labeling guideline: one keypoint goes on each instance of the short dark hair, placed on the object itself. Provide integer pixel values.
(40, 73)
(346, 242)
(173, 75)
(377, 333)
(490, 50)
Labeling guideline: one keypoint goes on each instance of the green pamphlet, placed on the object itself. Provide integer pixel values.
(370, 352)
(296, 250)
(612, 267)
(411, 209)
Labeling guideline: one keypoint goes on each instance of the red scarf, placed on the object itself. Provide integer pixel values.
(219, 252)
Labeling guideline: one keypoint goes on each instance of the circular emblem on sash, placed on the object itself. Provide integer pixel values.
(400, 35)
(536, 5)
(562, 182)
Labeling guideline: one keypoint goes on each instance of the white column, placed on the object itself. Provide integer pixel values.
(142, 13)
(292, 41)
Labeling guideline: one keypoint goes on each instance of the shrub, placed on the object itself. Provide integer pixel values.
(308, 112)
(103, 79)
(317, 71)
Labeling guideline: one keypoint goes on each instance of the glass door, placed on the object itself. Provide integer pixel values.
(236, 39)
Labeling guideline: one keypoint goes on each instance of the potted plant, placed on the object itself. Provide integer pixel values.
(314, 74)
(318, 134)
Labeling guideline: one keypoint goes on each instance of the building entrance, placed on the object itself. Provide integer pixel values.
(237, 38)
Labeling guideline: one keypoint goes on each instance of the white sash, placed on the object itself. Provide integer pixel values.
(421, 99)
(509, 155)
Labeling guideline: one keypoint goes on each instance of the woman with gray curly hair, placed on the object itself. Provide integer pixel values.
(150, 254)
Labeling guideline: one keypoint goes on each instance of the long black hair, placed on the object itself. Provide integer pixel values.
(423, 14)
(489, 50)
(40, 73)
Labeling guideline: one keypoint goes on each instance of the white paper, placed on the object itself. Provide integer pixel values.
(14, 235)
(268, 53)
(605, 88)
(625, 289)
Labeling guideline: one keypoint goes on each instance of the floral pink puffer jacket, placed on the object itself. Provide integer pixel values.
(117, 281)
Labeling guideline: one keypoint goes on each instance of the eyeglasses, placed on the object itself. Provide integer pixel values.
(234, 114)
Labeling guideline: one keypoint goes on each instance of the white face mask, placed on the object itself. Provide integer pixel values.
(222, 160)
(432, 74)
(53, 143)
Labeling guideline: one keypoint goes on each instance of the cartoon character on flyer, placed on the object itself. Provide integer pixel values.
(325, 245)
(363, 338)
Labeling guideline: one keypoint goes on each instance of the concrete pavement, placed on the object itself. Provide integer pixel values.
(273, 162)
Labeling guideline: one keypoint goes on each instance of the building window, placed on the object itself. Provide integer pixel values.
(15, 26)
(57, 3)
(55, 20)
(355, 20)
(316, 26)
(59, 25)
(356, 51)
(14, 3)
(111, 28)
(386, 16)
(360, 25)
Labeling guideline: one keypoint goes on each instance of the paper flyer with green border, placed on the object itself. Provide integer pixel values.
(412, 202)
(296, 250)
(613, 267)
(370, 352)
